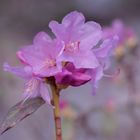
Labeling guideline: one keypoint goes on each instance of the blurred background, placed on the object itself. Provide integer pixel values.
(113, 112)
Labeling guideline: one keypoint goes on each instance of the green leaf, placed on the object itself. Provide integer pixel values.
(19, 112)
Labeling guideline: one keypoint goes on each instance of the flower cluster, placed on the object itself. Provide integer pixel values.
(78, 54)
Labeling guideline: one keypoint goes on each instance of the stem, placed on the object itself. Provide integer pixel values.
(56, 111)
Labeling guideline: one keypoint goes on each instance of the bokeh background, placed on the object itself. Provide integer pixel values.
(112, 113)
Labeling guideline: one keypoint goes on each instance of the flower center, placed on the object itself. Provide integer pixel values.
(49, 63)
(72, 47)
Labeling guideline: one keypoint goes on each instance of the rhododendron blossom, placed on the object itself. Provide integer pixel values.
(77, 54)
(42, 55)
(78, 38)
(118, 28)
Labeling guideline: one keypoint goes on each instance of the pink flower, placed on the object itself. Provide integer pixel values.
(76, 77)
(105, 50)
(34, 85)
(118, 28)
(78, 54)
(78, 38)
(103, 53)
(42, 56)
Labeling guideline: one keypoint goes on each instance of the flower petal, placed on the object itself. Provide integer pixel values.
(72, 78)
(45, 93)
(58, 30)
(81, 59)
(42, 38)
(24, 72)
(31, 89)
(96, 74)
(91, 35)
(85, 60)
(73, 19)
(46, 72)
(31, 55)
(106, 47)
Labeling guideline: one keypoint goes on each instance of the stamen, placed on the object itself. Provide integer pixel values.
(49, 63)
(72, 47)
(31, 85)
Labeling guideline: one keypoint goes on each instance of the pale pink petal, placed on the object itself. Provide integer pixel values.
(45, 93)
(31, 55)
(46, 72)
(91, 35)
(73, 19)
(24, 72)
(106, 47)
(81, 59)
(42, 38)
(31, 89)
(96, 74)
(85, 60)
(59, 30)
(73, 29)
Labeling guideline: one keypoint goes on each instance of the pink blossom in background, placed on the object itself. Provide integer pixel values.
(118, 28)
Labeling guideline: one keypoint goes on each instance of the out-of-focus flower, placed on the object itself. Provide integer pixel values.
(67, 111)
(118, 28)
(34, 85)
(78, 39)
(42, 55)
(127, 36)
(110, 106)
